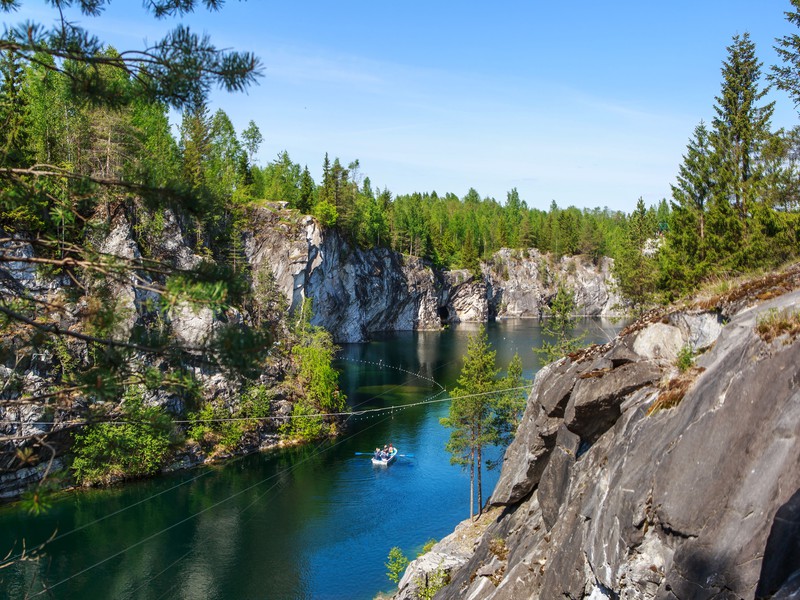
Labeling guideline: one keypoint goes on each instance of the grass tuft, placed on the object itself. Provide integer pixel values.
(675, 390)
(776, 323)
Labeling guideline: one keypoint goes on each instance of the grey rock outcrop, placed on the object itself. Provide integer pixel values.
(522, 283)
(357, 293)
(688, 501)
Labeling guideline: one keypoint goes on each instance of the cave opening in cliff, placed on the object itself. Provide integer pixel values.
(444, 314)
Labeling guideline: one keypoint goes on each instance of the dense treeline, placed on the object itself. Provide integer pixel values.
(736, 200)
(734, 205)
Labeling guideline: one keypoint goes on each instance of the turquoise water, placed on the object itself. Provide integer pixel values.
(315, 522)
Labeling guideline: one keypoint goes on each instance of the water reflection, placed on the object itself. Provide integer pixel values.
(313, 522)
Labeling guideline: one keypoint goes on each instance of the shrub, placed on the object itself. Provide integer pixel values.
(498, 547)
(431, 583)
(136, 447)
(396, 564)
(427, 547)
(774, 323)
(685, 359)
(306, 422)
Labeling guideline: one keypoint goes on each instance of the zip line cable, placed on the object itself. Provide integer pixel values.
(206, 471)
(71, 424)
(370, 412)
(197, 514)
(430, 400)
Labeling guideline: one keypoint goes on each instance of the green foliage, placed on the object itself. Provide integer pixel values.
(136, 446)
(314, 352)
(558, 327)
(427, 547)
(480, 413)
(636, 266)
(734, 206)
(685, 359)
(431, 583)
(251, 140)
(86, 142)
(178, 69)
(326, 213)
(509, 406)
(218, 428)
(396, 564)
(306, 423)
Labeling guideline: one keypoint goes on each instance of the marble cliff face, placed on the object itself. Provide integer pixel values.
(355, 294)
(629, 479)
(358, 292)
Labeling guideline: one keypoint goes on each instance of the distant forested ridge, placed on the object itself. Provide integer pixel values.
(734, 204)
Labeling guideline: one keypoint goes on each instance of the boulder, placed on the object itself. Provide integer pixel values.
(699, 329)
(594, 404)
(659, 341)
(556, 386)
(523, 459)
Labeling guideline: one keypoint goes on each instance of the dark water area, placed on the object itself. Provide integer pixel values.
(315, 522)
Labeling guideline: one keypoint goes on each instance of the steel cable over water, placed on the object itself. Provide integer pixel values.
(349, 414)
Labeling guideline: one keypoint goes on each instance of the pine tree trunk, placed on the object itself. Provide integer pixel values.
(471, 483)
(480, 483)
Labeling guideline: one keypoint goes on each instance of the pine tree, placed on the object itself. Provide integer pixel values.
(740, 129)
(480, 413)
(685, 256)
(470, 411)
(180, 69)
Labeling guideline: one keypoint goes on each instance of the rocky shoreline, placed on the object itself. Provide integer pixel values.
(356, 293)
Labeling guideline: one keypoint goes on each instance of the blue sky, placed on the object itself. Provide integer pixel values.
(586, 103)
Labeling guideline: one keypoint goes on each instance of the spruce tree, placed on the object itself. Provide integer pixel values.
(13, 136)
(635, 266)
(685, 257)
(307, 188)
(740, 129)
(787, 76)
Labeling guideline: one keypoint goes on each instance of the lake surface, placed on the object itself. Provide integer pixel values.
(315, 522)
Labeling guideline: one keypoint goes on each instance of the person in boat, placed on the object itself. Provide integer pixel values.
(377, 453)
(390, 449)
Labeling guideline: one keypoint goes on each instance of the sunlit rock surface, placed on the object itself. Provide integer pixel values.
(357, 293)
(602, 497)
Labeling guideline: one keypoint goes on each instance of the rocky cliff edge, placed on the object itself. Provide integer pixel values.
(629, 479)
